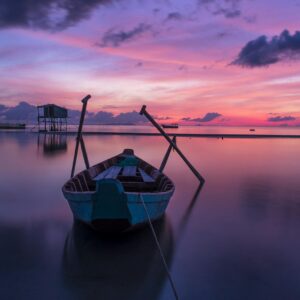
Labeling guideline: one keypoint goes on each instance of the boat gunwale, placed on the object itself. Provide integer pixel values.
(130, 193)
(69, 192)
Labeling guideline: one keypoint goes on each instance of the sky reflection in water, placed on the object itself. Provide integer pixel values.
(240, 240)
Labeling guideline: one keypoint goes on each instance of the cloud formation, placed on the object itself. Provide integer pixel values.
(22, 112)
(27, 113)
(115, 39)
(228, 8)
(207, 118)
(281, 119)
(174, 16)
(53, 15)
(2, 108)
(261, 52)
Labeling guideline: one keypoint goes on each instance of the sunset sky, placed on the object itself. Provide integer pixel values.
(231, 62)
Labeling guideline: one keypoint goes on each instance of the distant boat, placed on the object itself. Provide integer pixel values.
(111, 195)
(173, 125)
(12, 126)
(251, 129)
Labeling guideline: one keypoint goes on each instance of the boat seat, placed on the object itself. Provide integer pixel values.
(145, 176)
(129, 171)
(112, 172)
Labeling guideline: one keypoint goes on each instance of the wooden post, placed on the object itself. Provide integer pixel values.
(149, 117)
(84, 101)
(165, 159)
(83, 150)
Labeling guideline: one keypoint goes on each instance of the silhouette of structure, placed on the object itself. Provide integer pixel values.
(52, 118)
(52, 144)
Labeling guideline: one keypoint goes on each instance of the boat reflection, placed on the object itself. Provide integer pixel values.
(126, 266)
(52, 144)
(186, 216)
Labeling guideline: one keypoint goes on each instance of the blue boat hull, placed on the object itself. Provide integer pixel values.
(119, 193)
(110, 208)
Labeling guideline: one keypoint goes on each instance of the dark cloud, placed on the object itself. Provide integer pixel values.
(281, 119)
(261, 52)
(174, 16)
(207, 118)
(228, 13)
(115, 39)
(227, 8)
(53, 15)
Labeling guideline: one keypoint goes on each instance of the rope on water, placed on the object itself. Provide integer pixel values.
(159, 249)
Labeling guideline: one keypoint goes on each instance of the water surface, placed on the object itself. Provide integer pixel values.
(238, 239)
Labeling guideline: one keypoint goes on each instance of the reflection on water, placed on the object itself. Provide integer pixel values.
(191, 129)
(51, 143)
(237, 239)
(120, 267)
(260, 199)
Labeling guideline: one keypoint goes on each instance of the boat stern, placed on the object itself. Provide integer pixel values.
(110, 211)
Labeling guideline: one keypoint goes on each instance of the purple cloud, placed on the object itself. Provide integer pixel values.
(261, 52)
(27, 113)
(174, 16)
(281, 119)
(207, 118)
(46, 14)
(115, 39)
(228, 8)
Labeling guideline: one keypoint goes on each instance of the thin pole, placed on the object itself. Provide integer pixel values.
(166, 157)
(83, 150)
(159, 249)
(149, 117)
(84, 101)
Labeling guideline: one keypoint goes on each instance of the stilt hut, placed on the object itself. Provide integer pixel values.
(52, 117)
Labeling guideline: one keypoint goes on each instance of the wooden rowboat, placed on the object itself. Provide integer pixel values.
(111, 195)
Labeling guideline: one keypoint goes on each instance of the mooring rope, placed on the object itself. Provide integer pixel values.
(159, 249)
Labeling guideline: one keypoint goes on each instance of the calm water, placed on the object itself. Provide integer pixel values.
(238, 239)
